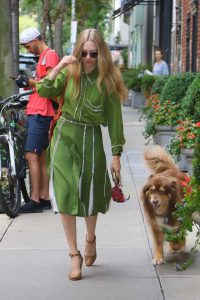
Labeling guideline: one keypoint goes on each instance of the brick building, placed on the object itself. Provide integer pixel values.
(188, 35)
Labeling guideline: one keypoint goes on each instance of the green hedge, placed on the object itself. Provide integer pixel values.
(159, 84)
(133, 77)
(147, 83)
(176, 87)
(190, 106)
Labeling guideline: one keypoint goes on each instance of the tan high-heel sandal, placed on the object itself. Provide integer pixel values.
(76, 275)
(90, 259)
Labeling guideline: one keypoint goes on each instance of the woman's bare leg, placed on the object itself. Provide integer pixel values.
(90, 248)
(69, 224)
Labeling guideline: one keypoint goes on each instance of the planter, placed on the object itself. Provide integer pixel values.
(189, 155)
(163, 135)
(182, 163)
(129, 100)
(196, 217)
(138, 99)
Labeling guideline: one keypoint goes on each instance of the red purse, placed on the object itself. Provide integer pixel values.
(117, 192)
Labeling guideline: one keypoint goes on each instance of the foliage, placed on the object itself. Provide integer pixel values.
(190, 204)
(177, 86)
(190, 104)
(147, 83)
(89, 14)
(159, 84)
(133, 77)
(185, 137)
(155, 114)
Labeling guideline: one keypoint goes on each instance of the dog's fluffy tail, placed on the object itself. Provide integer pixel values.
(158, 160)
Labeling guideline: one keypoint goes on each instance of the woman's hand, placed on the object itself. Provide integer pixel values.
(115, 166)
(65, 61)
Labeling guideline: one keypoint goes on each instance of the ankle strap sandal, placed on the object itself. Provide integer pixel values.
(75, 254)
(90, 259)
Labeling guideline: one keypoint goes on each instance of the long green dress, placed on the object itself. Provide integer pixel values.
(79, 180)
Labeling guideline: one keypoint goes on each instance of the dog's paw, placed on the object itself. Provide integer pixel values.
(158, 261)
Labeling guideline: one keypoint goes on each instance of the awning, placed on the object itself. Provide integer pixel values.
(126, 5)
(117, 46)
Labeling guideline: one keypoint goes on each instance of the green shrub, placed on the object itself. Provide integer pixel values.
(147, 83)
(133, 77)
(176, 87)
(159, 84)
(191, 102)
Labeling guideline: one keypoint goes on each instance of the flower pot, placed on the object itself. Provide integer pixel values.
(163, 135)
(189, 155)
(128, 102)
(196, 217)
(138, 99)
(182, 163)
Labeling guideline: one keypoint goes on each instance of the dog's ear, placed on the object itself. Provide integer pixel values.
(175, 191)
(144, 191)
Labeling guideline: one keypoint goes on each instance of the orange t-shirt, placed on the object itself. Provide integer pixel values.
(39, 105)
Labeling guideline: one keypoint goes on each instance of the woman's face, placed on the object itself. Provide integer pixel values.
(89, 56)
(158, 55)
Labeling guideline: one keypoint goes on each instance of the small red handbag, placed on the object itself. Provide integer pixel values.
(117, 192)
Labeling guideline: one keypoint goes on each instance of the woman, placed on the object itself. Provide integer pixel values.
(79, 181)
(160, 67)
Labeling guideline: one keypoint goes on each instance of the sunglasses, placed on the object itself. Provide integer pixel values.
(92, 54)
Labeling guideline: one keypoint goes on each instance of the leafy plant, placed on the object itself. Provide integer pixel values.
(177, 86)
(159, 84)
(190, 204)
(190, 104)
(133, 77)
(155, 114)
(185, 137)
(146, 84)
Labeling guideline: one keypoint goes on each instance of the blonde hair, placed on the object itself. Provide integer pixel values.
(108, 74)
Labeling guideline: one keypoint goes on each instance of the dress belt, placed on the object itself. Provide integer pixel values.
(67, 118)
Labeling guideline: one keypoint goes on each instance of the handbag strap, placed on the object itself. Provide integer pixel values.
(61, 102)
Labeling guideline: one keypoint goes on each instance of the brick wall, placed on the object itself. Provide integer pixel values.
(187, 10)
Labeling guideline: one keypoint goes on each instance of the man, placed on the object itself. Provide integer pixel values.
(39, 115)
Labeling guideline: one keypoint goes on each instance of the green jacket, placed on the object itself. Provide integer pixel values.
(92, 106)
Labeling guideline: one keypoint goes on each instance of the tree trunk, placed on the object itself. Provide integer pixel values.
(59, 28)
(46, 9)
(7, 86)
(50, 31)
(15, 34)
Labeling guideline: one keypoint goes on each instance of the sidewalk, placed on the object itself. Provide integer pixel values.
(34, 262)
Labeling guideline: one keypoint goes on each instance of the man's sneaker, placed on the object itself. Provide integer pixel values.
(31, 207)
(45, 204)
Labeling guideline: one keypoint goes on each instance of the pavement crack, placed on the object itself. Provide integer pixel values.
(2, 236)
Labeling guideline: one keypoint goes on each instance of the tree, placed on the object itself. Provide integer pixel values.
(7, 85)
(56, 18)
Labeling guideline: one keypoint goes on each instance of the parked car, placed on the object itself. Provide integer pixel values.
(27, 64)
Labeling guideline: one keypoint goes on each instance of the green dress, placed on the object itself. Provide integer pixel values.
(79, 180)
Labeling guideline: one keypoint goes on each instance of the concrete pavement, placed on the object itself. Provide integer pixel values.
(34, 261)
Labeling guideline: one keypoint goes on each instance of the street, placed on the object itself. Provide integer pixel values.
(34, 261)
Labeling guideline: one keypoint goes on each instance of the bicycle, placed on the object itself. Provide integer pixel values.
(13, 168)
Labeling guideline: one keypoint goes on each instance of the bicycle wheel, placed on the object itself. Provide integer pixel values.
(10, 191)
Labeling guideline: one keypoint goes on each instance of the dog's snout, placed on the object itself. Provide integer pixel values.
(155, 202)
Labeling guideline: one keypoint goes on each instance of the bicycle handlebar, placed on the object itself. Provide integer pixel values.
(17, 96)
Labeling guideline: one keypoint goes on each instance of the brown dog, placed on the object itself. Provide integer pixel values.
(160, 195)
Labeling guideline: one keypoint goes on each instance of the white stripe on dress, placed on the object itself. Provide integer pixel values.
(52, 196)
(91, 200)
(104, 190)
(78, 100)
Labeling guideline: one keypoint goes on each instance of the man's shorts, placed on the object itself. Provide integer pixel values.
(37, 133)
